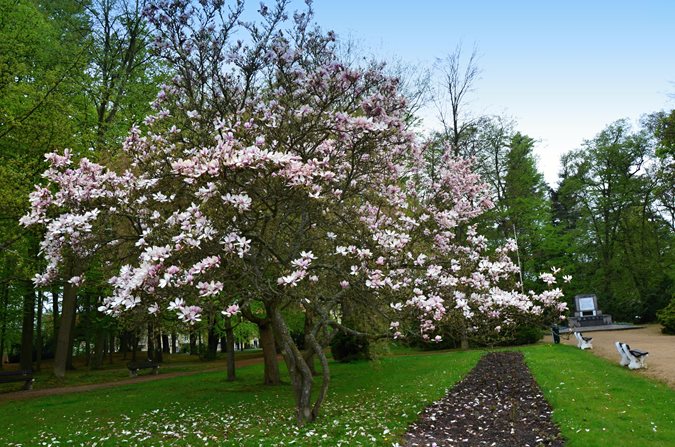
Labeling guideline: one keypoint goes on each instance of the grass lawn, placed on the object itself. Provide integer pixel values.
(368, 404)
(596, 403)
(116, 371)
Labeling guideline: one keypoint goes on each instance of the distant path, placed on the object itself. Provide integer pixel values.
(661, 348)
(22, 395)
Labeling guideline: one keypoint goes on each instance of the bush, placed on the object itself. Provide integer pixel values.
(526, 335)
(348, 347)
(666, 317)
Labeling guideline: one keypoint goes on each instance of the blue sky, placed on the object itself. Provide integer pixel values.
(563, 70)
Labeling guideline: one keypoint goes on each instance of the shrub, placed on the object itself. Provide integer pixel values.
(666, 317)
(526, 335)
(348, 347)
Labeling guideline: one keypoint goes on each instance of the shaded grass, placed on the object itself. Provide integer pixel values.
(369, 403)
(117, 371)
(598, 403)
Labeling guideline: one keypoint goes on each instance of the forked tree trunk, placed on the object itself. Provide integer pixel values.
(301, 376)
(63, 342)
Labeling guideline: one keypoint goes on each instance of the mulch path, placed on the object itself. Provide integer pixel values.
(497, 404)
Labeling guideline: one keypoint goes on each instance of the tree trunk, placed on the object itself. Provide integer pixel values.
(159, 352)
(71, 342)
(212, 341)
(166, 349)
(151, 343)
(174, 343)
(301, 375)
(193, 343)
(111, 346)
(268, 345)
(134, 346)
(223, 345)
(99, 349)
(55, 316)
(27, 326)
(309, 351)
(63, 342)
(3, 325)
(229, 335)
(38, 333)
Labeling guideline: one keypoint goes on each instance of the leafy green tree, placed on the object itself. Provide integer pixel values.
(621, 243)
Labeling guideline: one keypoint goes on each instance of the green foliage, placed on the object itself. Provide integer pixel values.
(618, 242)
(666, 317)
(349, 347)
(526, 335)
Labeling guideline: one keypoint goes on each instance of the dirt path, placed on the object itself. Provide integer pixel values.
(22, 395)
(661, 348)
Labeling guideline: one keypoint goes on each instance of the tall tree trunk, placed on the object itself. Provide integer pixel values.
(301, 376)
(193, 343)
(229, 335)
(71, 343)
(3, 323)
(63, 342)
(55, 315)
(267, 342)
(38, 333)
(111, 346)
(159, 352)
(151, 343)
(174, 342)
(99, 349)
(27, 328)
(212, 341)
(223, 344)
(166, 349)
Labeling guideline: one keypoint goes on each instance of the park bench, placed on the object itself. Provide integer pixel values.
(583, 342)
(24, 375)
(148, 364)
(636, 358)
(624, 358)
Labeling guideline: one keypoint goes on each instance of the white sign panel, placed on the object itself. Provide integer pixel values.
(586, 304)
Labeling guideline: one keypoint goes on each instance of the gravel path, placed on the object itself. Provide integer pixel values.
(497, 404)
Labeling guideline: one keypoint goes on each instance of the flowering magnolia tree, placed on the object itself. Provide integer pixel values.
(310, 193)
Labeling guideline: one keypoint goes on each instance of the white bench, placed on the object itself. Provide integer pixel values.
(583, 342)
(634, 358)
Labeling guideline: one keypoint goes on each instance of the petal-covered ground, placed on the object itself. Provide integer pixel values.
(497, 404)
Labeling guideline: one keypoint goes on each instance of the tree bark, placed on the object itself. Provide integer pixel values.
(55, 316)
(166, 349)
(27, 328)
(229, 337)
(3, 326)
(63, 342)
(301, 375)
(212, 341)
(174, 343)
(193, 343)
(38, 333)
(268, 345)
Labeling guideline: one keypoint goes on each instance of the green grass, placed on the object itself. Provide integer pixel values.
(598, 403)
(118, 370)
(368, 404)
